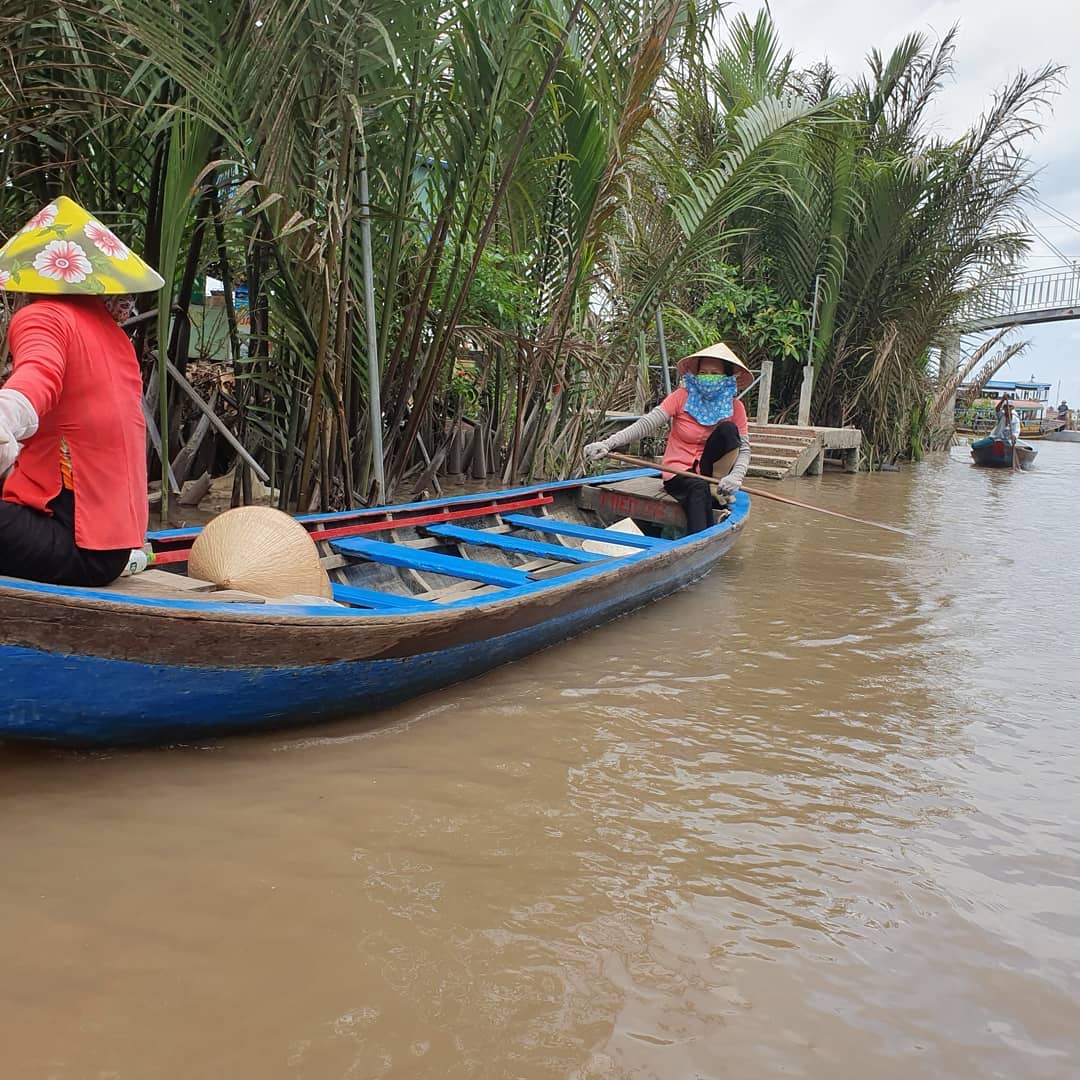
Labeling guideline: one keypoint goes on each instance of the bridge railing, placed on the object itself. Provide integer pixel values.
(1025, 293)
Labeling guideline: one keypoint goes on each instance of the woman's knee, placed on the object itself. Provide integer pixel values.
(721, 448)
(724, 437)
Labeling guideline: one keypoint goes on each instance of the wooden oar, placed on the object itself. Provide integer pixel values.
(643, 464)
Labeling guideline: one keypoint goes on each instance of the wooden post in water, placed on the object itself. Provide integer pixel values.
(806, 394)
(764, 390)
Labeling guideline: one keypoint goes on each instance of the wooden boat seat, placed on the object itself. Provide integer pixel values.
(643, 499)
(167, 586)
(583, 532)
(152, 578)
(517, 544)
(418, 559)
(380, 601)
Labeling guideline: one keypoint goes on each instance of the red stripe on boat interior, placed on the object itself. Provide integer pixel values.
(181, 555)
(366, 512)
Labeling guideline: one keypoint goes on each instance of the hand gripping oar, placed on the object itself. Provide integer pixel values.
(642, 463)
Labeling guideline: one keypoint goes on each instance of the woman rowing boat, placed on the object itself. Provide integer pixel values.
(709, 431)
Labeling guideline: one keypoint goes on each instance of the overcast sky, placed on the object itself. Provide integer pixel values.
(996, 38)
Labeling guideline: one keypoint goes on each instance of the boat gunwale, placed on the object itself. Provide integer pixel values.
(172, 535)
(301, 616)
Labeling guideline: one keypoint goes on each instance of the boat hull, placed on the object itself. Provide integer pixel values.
(1064, 436)
(993, 453)
(86, 671)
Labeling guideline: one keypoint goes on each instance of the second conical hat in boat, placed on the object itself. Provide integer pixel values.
(258, 549)
(63, 250)
(601, 547)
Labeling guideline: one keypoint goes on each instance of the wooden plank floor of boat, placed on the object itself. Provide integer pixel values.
(162, 584)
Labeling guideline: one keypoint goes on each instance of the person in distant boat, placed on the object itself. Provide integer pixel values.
(1063, 411)
(709, 431)
(72, 433)
(1007, 427)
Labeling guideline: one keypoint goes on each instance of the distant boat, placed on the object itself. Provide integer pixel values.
(1064, 435)
(994, 453)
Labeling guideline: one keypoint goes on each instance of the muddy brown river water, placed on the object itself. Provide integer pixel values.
(818, 816)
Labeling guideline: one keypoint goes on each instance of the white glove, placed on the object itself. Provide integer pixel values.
(9, 451)
(594, 451)
(729, 485)
(18, 420)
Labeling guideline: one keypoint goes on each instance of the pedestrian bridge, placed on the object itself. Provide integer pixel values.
(1039, 297)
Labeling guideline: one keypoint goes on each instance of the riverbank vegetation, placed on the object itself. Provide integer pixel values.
(529, 182)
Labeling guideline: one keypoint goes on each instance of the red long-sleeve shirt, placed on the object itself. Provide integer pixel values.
(77, 368)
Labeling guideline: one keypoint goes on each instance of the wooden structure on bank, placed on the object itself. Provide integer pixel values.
(783, 450)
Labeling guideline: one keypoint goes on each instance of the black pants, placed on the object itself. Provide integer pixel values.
(695, 496)
(41, 547)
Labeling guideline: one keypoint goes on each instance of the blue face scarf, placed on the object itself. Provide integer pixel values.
(710, 398)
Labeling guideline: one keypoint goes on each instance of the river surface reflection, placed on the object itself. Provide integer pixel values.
(818, 816)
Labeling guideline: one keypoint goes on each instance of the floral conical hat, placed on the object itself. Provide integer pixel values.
(63, 249)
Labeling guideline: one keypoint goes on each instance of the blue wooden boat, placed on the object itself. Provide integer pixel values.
(426, 595)
(994, 453)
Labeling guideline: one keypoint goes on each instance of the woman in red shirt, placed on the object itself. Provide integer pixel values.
(72, 433)
(709, 433)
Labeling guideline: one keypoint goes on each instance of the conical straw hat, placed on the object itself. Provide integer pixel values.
(64, 250)
(601, 547)
(743, 375)
(260, 550)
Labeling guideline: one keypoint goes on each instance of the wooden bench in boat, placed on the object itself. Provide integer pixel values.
(583, 532)
(168, 586)
(643, 499)
(517, 544)
(419, 559)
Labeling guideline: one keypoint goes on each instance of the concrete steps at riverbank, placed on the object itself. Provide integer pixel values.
(777, 451)
(780, 450)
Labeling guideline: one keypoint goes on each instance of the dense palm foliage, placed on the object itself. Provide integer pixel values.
(528, 180)
(902, 226)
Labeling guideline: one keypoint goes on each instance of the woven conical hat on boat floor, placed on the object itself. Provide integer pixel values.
(599, 547)
(258, 549)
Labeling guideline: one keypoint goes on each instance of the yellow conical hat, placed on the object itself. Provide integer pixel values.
(63, 249)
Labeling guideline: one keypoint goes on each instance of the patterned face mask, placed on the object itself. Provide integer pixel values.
(710, 398)
(121, 308)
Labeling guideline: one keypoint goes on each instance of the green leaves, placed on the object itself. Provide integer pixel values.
(544, 174)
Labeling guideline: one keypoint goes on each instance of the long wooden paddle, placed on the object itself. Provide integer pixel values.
(1015, 455)
(643, 464)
